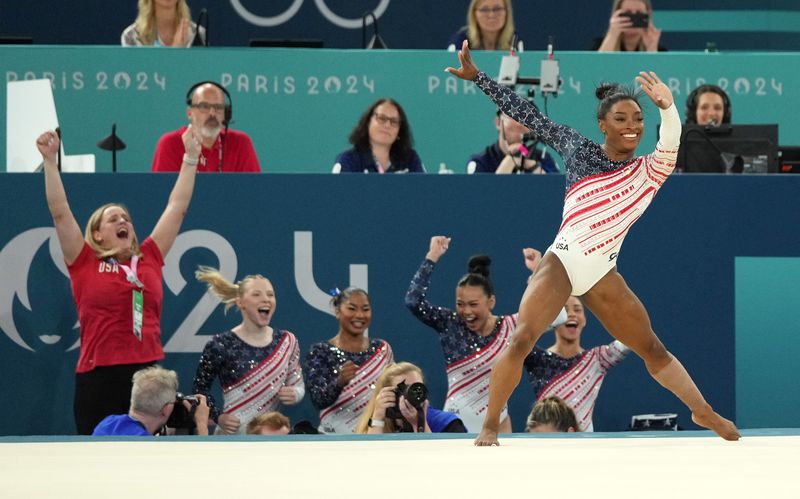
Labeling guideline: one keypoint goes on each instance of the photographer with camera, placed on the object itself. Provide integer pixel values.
(630, 29)
(399, 403)
(516, 150)
(155, 402)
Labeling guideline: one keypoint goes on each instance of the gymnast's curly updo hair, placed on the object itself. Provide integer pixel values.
(611, 93)
(340, 297)
(478, 274)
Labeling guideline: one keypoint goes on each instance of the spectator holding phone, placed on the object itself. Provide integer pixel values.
(630, 29)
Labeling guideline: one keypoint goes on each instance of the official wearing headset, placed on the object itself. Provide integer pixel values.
(708, 105)
(209, 110)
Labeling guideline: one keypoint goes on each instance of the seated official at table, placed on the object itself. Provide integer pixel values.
(223, 150)
(708, 105)
(382, 143)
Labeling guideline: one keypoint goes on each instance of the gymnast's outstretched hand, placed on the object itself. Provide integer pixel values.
(658, 92)
(468, 69)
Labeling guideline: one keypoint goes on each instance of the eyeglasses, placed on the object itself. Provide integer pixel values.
(386, 120)
(205, 107)
(491, 10)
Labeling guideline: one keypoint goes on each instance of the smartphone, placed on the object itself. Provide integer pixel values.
(638, 19)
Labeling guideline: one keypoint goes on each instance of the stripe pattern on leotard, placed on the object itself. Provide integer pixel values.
(600, 209)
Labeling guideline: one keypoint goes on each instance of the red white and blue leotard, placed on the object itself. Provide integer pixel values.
(604, 198)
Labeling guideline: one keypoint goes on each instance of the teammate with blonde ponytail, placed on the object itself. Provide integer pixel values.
(258, 366)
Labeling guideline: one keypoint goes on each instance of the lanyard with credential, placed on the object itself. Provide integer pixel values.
(138, 297)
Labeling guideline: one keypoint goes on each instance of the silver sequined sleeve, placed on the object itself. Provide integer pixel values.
(416, 301)
(322, 374)
(560, 137)
(208, 369)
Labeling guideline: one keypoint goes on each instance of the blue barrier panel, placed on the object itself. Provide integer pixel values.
(309, 231)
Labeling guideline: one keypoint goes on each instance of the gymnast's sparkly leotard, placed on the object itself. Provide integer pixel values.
(604, 198)
(341, 407)
(251, 376)
(468, 355)
(577, 379)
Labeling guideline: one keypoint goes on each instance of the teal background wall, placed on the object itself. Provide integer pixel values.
(767, 346)
(680, 259)
(299, 106)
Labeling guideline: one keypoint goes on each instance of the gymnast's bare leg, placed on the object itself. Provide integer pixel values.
(624, 316)
(544, 297)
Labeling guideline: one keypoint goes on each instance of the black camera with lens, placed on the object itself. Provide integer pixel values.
(182, 418)
(416, 394)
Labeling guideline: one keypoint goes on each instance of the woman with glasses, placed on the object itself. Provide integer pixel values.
(490, 26)
(382, 143)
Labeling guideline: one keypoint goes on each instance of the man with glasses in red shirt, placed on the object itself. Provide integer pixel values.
(209, 110)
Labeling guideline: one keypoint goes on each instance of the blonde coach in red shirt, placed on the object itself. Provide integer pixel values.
(116, 284)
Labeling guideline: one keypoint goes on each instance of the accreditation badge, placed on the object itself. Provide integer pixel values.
(138, 313)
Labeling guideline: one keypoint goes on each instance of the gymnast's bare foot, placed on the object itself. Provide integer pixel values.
(713, 421)
(487, 438)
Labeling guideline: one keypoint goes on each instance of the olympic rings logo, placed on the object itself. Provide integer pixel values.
(342, 22)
